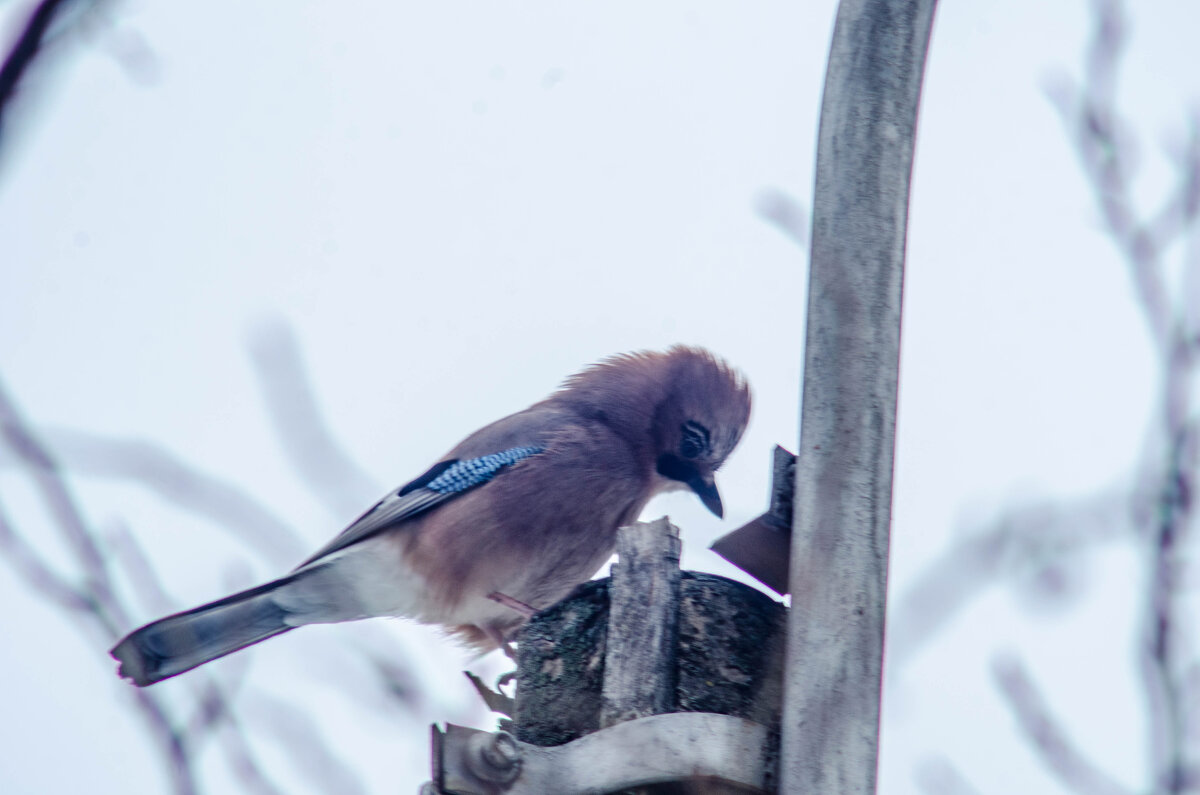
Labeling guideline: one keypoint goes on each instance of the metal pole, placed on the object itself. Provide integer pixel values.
(839, 560)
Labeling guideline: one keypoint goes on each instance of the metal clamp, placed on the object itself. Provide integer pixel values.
(675, 747)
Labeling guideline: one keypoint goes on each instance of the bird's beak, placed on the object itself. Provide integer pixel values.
(706, 490)
(699, 481)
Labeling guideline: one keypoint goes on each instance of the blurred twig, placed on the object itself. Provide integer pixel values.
(214, 713)
(26, 49)
(1156, 510)
(783, 212)
(228, 506)
(93, 601)
(317, 458)
(1049, 739)
(300, 737)
(43, 470)
(938, 776)
(244, 517)
(90, 602)
(1167, 473)
(1021, 540)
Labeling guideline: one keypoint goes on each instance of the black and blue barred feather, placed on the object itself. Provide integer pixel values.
(463, 475)
(443, 481)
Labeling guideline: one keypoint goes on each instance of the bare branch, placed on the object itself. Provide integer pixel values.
(94, 604)
(317, 458)
(1043, 732)
(1165, 479)
(128, 554)
(1182, 207)
(214, 712)
(784, 213)
(38, 576)
(938, 776)
(301, 738)
(170, 741)
(1105, 152)
(1163, 650)
(26, 50)
(46, 476)
(1021, 539)
(215, 715)
(228, 506)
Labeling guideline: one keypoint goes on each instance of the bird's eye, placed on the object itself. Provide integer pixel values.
(694, 442)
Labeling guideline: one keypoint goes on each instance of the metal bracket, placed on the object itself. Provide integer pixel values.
(678, 746)
(763, 547)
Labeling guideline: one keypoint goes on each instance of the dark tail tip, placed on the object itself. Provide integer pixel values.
(135, 664)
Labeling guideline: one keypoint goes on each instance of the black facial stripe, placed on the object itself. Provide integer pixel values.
(675, 468)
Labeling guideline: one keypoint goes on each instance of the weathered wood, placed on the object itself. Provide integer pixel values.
(643, 624)
(728, 659)
(560, 668)
(840, 534)
(688, 643)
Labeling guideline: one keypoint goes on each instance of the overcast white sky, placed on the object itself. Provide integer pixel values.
(457, 204)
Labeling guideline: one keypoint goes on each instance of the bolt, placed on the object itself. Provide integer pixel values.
(495, 757)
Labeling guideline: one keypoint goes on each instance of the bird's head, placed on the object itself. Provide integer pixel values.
(699, 421)
(683, 411)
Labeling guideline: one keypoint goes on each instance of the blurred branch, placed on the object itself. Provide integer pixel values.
(938, 776)
(1049, 739)
(98, 602)
(1167, 473)
(25, 50)
(39, 577)
(1156, 509)
(225, 504)
(784, 212)
(1106, 149)
(300, 738)
(1163, 656)
(43, 470)
(214, 713)
(1021, 540)
(92, 603)
(130, 556)
(1166, 476)
(96, 605)
(237, 512)
(317, 458)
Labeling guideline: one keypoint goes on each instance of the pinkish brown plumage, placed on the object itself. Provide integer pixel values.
(527, 507)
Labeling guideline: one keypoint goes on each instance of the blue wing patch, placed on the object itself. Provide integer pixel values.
(463, 475)
(442, 482)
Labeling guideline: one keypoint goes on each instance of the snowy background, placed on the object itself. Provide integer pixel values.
(453, 206)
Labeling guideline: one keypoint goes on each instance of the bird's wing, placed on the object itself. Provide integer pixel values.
(443, 481)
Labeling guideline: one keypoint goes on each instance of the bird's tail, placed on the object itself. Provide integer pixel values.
(185, 640)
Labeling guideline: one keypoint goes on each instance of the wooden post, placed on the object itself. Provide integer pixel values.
(650, 678)
(847, 431)
(639, 661)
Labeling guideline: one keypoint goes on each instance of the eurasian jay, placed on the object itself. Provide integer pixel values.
(518, 514)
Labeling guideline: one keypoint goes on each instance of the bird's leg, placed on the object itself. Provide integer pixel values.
(495, 634)
(495, 700)
(497, 637)
(515, 604)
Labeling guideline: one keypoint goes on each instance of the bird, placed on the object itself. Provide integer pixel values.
(508, 522)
